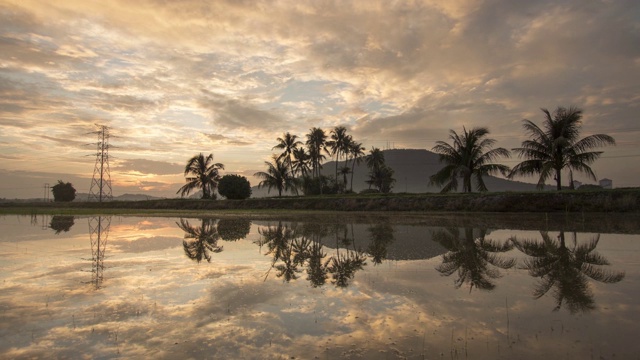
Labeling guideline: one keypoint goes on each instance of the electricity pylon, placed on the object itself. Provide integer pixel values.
(101, 182)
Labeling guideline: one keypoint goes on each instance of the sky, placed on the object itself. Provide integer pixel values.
(174, 79)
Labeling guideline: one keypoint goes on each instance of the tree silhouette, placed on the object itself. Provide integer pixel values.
(566, 270)
(64, 192)
(556, 146)
(302, 162)
(199, 242)
(204, 174)
(468, 158)
(288, 144)
(316, 143)
(277, 176)
(338, 143)
(357, 152)
(473, 258)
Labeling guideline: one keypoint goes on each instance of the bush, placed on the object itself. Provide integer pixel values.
(234, 187)
(63, 191)
(311, 186)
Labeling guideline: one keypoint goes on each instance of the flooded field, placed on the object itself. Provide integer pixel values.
(321, 287)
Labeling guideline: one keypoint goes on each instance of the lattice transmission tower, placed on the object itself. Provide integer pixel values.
(101, 182)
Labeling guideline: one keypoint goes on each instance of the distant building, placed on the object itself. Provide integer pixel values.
(576, 184)
(606, 183)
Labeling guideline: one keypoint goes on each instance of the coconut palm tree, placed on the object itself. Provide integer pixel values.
(468, 157)
(473, 257)
(566, 269)
(301, 163)
(556, 146)
(199, 242)
(375, 159)
(277, 176)
(344, 171)
(288, 144)
(382, 178)
(356, 150)
(337, 143)
(316, 143)
(204, 175)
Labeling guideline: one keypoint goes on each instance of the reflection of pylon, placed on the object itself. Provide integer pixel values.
(98, 232)
(101, 182)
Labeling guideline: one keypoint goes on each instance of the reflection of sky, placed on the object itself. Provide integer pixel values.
(155, 302)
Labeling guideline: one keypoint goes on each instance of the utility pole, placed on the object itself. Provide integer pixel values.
(101, 181)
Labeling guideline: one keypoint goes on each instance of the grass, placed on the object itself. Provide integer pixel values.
(618, 200)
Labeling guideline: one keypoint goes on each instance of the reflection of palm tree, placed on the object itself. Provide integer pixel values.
(200, 241)
(471, 257)
(344, 266)
(317, 269)
(381, 237)
(566, 269)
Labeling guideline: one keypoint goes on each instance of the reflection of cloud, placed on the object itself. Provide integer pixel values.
(156, 303)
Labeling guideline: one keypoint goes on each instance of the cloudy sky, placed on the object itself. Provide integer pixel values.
(173, 79)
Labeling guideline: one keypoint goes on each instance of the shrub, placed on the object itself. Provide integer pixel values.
(63, 191)
(234, 187)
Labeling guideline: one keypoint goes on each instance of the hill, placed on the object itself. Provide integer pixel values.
(412, 167)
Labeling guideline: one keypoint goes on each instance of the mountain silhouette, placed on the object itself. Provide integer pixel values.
(412, 167)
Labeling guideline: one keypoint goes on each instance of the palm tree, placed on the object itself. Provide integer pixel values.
(199, 242)
(556, 146)
(337, 144)
(467, 158)
(277, 176)
(474, 258)
(375, 159)
(344, 171)
(301, 163)
(316, 142)
(566, 269)
(382, 178)
(356, 150)
(288, 143)
(204, 175)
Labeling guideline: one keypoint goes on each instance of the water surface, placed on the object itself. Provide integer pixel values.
(320, 287)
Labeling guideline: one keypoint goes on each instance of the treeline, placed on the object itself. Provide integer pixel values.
(550, 149)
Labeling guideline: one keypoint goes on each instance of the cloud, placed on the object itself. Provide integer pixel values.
(175, 78)
(224, 140)
(145, 166)
(230, 113)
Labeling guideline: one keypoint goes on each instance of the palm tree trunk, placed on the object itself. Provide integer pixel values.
(353, 168)
(558, 179)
